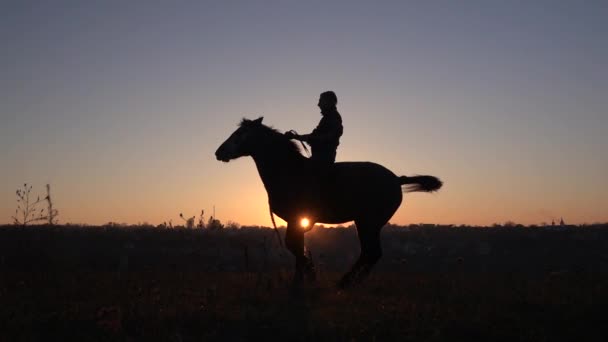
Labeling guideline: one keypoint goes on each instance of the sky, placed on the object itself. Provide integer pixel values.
(120, 105)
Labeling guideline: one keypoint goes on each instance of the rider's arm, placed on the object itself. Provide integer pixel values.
(325, 131)
(315, 136)
(303, 137)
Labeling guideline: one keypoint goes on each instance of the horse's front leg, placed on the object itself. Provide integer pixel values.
(294, 240)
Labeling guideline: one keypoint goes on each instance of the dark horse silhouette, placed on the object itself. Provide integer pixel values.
(364, 192)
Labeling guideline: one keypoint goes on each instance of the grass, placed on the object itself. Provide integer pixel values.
(53, 289)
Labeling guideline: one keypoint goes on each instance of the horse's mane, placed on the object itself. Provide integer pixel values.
(274, 134)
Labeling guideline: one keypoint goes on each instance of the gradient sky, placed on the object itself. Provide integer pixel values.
(120, 105)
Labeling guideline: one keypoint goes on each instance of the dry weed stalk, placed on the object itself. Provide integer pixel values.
(27, 211)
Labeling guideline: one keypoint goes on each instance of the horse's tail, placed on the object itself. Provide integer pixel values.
(420, 183)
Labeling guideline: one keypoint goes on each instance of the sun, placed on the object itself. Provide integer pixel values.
(304, 222)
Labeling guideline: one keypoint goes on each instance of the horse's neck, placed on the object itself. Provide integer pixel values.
(278, 167)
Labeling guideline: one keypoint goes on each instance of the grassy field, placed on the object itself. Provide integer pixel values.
(433, 284)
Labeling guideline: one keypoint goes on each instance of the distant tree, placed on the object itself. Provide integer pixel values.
(232, 225)
(214, 224)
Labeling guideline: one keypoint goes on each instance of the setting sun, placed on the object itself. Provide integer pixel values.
(304, 222)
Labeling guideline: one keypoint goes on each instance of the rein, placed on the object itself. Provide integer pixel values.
(270, 206)
(276, 230)
(301, 142)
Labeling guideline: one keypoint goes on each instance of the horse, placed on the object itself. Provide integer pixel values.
(297, 188)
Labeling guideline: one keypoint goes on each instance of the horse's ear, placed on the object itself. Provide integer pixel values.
(258, 120)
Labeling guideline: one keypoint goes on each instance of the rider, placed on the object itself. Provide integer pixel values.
(325, 138)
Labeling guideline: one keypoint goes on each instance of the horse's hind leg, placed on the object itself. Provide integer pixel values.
(294, 240)
(371, 252)
(349, 278)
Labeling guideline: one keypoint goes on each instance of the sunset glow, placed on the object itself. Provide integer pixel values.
(505, 102)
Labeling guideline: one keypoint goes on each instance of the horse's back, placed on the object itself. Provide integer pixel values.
(359, 171)
(362, 165)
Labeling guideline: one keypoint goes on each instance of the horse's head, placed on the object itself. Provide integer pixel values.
(240, 143)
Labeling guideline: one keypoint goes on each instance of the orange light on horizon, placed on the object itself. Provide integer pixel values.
(304, 222)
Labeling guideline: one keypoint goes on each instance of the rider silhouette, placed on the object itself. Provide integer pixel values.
(325, 138)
